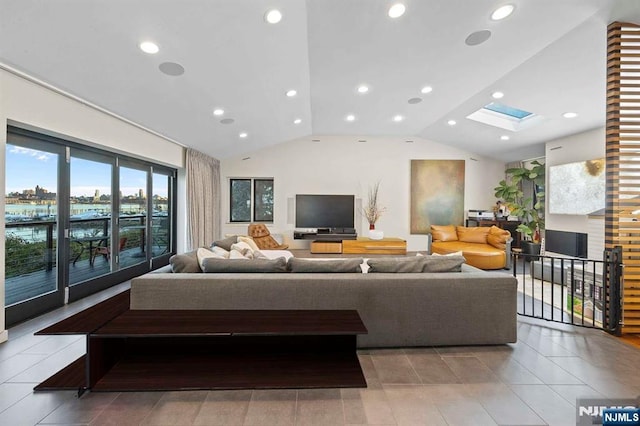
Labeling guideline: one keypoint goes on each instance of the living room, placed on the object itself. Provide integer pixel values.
(330, 153)
(304, 166)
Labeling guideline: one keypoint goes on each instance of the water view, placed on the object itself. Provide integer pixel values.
(29, 213)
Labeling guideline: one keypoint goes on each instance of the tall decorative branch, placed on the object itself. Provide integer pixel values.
(372, 211)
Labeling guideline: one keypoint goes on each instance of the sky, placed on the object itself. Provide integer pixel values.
(26, 168)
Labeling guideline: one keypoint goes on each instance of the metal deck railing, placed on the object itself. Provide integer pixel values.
(30, 252)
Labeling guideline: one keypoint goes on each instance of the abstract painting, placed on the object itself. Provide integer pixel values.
(577, 188)
(437, 194)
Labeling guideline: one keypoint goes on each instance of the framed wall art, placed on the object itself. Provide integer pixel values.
(437, 194)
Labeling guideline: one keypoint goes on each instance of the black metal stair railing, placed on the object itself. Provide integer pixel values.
(580, 292)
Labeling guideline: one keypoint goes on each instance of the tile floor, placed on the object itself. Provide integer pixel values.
(533, 382)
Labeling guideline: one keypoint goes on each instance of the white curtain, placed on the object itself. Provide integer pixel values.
(203, 199)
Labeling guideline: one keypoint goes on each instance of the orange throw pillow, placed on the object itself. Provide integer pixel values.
(498, 237)
(444, 233)
(476, 234)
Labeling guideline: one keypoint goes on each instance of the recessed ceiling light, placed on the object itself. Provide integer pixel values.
(218, 111)
(362, 140)
(504, 138)
(291, 93)
(398, 118)
(569, 115)
(426, 89)
(227, 121)
(497, 95)
(243, 135)
(149, 47)
(502, 12)
(397, 10)
(350, 117)
(451, 122)
(297, 121)
(273, 16)
(414, 101)
(363, 89)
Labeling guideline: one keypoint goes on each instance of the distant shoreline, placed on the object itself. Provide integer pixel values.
(34, 210)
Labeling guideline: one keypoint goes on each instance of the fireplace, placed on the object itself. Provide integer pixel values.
(572, 244)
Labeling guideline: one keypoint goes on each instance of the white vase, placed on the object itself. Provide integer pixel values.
(374, 234)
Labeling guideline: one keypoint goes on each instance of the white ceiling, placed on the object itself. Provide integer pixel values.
(548, 58)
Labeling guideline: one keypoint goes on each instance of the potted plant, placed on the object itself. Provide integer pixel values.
(529, 210)
(372, 211)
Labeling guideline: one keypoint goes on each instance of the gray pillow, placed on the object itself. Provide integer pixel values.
(245, 265)
(226, 243)
(443, 263)
(185, 263)
(396, 264)
(324, 266)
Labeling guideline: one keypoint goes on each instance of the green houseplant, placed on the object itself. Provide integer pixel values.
(528, 209)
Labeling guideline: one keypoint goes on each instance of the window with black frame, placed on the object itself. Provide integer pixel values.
(251, 200)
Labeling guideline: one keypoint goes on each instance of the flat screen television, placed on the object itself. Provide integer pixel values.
(324, 211)
(577, 188)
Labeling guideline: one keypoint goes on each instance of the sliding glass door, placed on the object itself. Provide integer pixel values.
(162, 213)
(79, 220)
(90, 208)
(133, 226)
(33, 266)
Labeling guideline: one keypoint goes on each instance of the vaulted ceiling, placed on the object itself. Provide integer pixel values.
(548, 58)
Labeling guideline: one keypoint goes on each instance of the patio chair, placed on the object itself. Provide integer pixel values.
(106, 250)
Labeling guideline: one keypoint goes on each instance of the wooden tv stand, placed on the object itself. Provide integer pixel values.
(364, 245)
(361, 245)
(326, 247)
(142, 350)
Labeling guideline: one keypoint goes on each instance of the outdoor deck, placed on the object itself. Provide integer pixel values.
(26, 286)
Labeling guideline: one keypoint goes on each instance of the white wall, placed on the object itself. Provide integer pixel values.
(341, 165)
(30, 105)
(595, 238)
(578, 147)
(34, 106)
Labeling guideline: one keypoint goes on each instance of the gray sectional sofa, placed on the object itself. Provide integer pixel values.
(470, 307)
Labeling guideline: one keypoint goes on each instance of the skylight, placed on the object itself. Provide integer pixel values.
(505, 117)
(507, 110)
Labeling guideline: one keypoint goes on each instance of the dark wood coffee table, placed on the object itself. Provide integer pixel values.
(143, 350)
